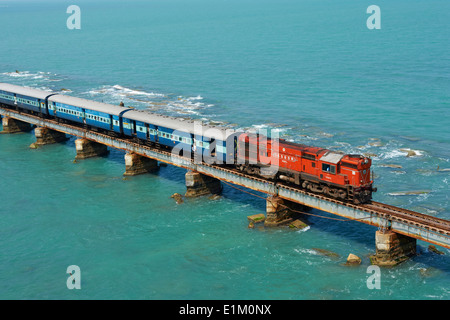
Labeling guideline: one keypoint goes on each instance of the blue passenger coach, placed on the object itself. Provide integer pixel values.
(206, 141)
(212, 143)
(163, 130)
(24, 97)
(91, 113)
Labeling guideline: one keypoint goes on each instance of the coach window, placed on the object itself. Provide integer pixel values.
(328, 168)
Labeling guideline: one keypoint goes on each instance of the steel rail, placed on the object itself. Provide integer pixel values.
(367, 213)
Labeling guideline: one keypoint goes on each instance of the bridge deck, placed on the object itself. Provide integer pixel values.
(407, 222)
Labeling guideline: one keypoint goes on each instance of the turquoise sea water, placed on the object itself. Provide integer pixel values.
(312, 70)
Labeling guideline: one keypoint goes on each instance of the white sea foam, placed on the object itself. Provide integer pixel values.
(401, 152)
(127, 91)
(304, 136)
(398, 172)
(344, 144)
(417, 153)
(23, 74)
(199, 97)
(419, 193)
(46, 89)
(307, 251)
(260, 126)
(279, 130)
(169, 104)
(119, 91)
(326, 134)
(304, 229)
(184, 108)
(270, 128)
(392, 154)
(48, 76)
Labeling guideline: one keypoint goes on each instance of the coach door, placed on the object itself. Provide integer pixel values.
(41, 107)
(133, 128)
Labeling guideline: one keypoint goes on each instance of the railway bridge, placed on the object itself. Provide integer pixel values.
(398, 228)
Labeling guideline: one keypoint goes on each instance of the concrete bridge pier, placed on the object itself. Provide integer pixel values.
(47, 136)
(198, 184)
(88, 149)
(281, 212)
(136, 164)
(392, 248)
(11, 125)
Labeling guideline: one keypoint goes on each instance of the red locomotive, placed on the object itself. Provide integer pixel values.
(340, 176)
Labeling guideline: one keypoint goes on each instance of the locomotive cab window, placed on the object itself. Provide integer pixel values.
(328, 168)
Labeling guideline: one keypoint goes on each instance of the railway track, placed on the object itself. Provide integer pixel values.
(378, 208)
(386, 211)
(406, 215)
(391, 213)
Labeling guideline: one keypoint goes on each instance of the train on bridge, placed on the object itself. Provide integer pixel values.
(340, 176)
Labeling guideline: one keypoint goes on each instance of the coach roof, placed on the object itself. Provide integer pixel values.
(88, 104)
(25, 91)
(184, 125)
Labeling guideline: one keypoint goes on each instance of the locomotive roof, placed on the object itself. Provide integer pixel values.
(88, 104)
(301, 147)
(332, 157)
(189, 126)
(326, 155)
(26, 91)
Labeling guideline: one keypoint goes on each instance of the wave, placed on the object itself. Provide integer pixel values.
(119, 91)
(127, 91)
(304, 229)
(410, 193)
(24, 74)
(260, 126)
(47, 89)
(149, 100)
(196, 98)
(306, 251)
(47, 76)
(411, 152)
(189, 105)
(402, 152)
